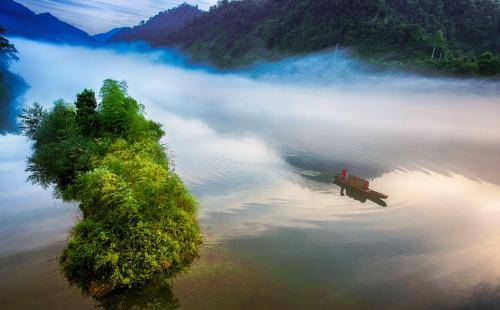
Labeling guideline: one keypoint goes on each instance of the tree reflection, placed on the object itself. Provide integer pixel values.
(152, 296)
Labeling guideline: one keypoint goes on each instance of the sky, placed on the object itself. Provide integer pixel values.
(96, 16)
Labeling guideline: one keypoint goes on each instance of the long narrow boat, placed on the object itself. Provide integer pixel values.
(358, 184)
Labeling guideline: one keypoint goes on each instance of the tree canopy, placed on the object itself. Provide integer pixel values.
(449, 35)
(7, 50)
(139, 220)
(11, 86)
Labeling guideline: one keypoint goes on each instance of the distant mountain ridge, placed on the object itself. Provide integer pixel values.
(169, 21)
(458, 37)
(103, 38)
(18, 20)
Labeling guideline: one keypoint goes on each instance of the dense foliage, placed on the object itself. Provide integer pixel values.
(139, 220)
(456, 36)
(7, 50)
(11, 86)
(163, 23)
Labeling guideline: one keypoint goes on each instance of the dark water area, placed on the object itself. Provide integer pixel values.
(260, 150)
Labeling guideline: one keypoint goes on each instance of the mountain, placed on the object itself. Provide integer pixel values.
(454, 36)
(104, 37)
(21, 21)
(169, 21)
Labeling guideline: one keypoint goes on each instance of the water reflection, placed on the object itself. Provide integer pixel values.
(30, 217)
(432, 249)
(12, 88)
(261, 155)
(484, 296)
(356, 195)
(153, 296)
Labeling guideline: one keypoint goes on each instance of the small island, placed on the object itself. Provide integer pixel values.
(139, 220)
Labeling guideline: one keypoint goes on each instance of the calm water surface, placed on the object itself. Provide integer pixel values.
(259, 149)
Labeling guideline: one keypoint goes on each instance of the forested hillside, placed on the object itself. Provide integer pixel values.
(456, 36)
(103, 38)
(160, 25)
(11, 86)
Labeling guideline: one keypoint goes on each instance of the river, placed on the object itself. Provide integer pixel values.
(259, 150)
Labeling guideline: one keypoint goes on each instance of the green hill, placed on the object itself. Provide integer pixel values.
(453, 36)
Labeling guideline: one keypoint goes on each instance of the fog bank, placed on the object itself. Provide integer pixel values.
(318, 113)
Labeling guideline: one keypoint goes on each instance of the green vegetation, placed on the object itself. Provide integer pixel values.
(452, 36)
(139, 220)
(7, 50)
(164, 22)
(11, 86)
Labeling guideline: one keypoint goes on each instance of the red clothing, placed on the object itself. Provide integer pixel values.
(366, 185)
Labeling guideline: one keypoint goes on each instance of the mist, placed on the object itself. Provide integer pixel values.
(317, 113)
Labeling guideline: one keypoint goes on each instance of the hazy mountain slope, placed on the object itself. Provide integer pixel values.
(447, 34)
(165, 22)
(21, 21)
(102, 38)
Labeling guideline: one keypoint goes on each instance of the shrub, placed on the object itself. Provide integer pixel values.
(139, 220)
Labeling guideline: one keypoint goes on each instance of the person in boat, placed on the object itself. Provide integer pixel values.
(344, 175)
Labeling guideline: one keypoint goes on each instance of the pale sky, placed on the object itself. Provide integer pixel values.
(95, 16)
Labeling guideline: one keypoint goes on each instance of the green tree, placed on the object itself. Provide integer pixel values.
(139, 219)
(488, 64)
(392, 32)
(31, 120)
(7, 50)
(86, 114)
(439, 43)
(11, 87)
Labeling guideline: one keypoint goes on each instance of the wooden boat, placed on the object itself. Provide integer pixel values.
(359, 185)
